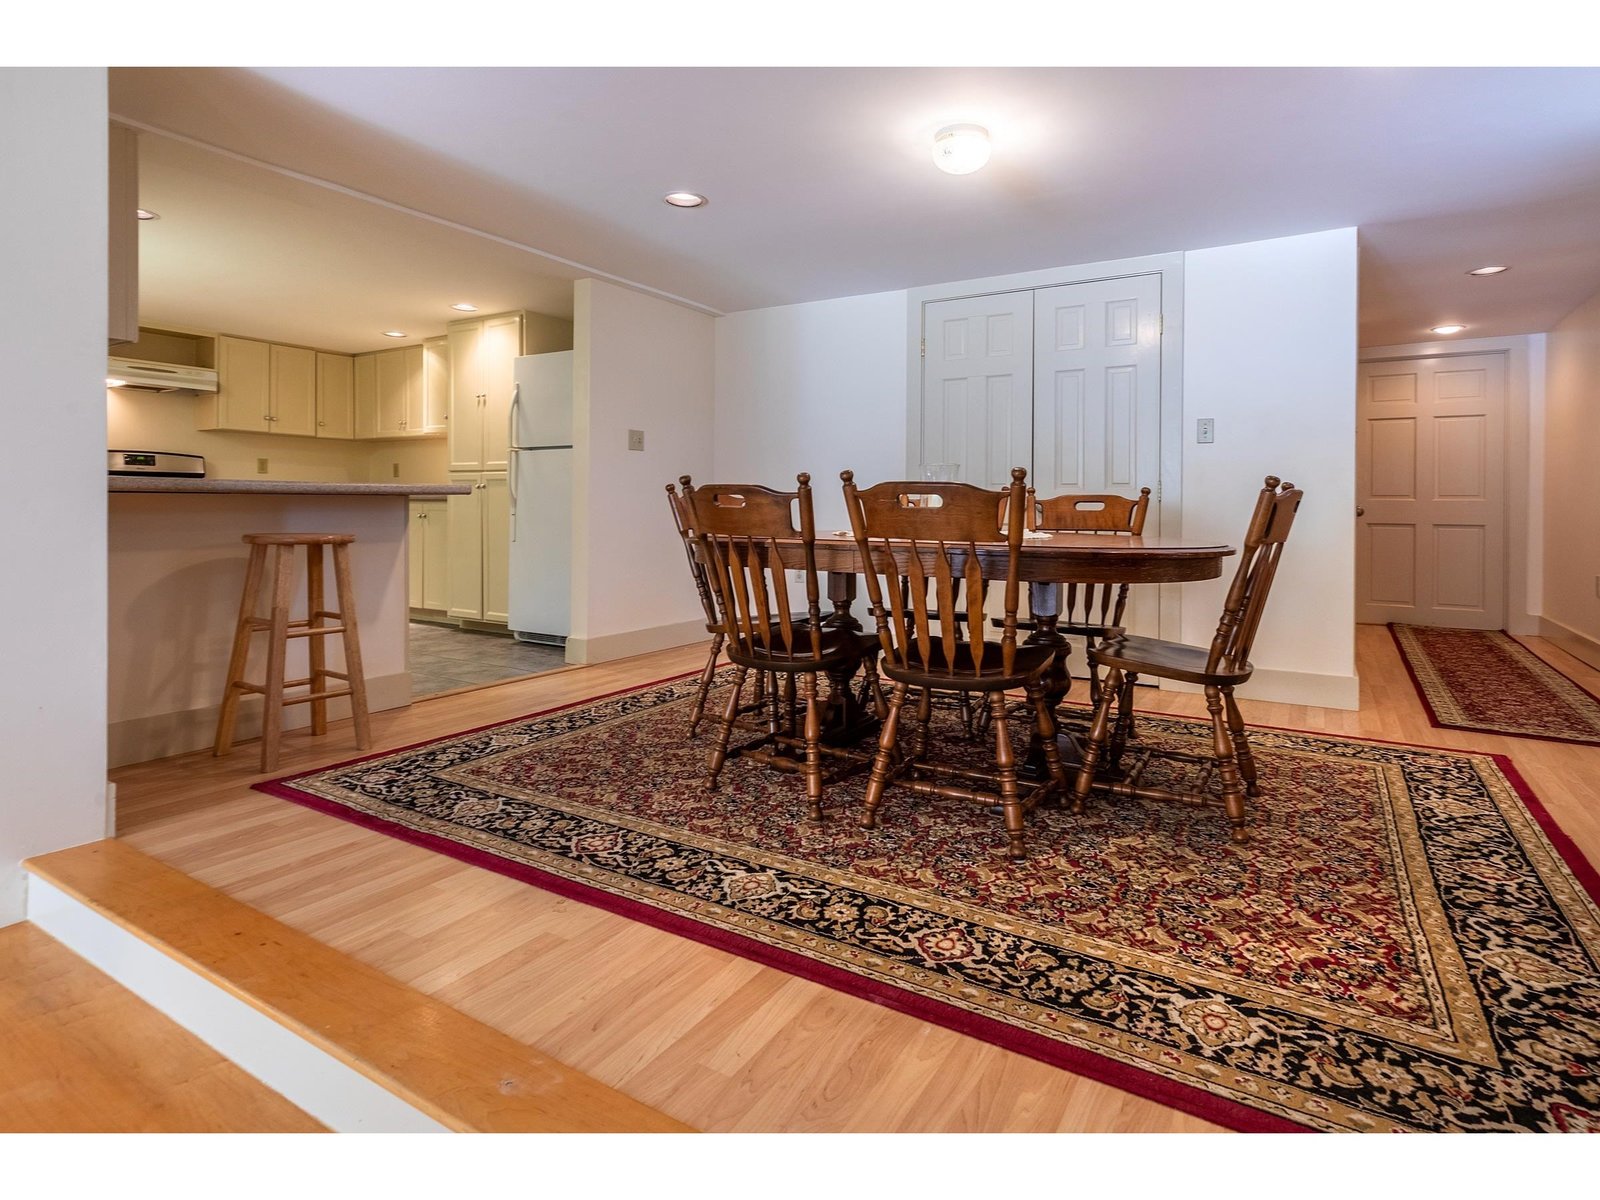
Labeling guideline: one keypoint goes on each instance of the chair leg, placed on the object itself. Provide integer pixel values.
(241, 650)
(924, 718)
(1094, 741)
(1232, 781)
(879, 779)
(808, 688)
(719, 753)
(351, 640)
(1122, 733)
(1006, 764)
(316, 649)
(1241, 743)
(705, 684)
(277, 651)
(1045, 733)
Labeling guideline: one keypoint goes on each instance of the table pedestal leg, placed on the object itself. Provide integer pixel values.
(1044, 602)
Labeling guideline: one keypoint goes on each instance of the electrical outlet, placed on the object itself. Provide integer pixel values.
(261, 466)
(1205, 430)
(635, 439)
(395, 473)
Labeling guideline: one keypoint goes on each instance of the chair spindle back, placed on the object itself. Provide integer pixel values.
(1090, 607)
(913, 533)
(749, 542)
(1258, 563)
(682, 518)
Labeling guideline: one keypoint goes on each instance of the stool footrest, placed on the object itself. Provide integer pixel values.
(310, 696)
(295, 629)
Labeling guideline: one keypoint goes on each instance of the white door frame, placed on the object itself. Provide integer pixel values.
(1524, 434)
(1170, 268)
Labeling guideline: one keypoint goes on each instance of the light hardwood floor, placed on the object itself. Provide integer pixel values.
(711, 1039)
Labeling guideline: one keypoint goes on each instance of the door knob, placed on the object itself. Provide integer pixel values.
(1360, 512)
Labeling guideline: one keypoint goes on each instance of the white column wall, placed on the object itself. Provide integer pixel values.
(53, 235)
(1570, 601)
(1270, 352)
(638, 363)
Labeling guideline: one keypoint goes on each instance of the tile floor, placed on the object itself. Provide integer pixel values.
(445, 659)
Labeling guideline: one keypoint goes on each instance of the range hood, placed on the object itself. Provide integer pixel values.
(139, 376)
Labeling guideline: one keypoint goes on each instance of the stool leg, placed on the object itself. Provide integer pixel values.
(241, 651)
(316, 651)
(277, 651)
(352, 645)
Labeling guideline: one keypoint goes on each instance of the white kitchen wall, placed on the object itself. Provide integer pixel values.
(1269, 351)
(813, 387)
(647, 364)
(1571, 485)
(53, 231)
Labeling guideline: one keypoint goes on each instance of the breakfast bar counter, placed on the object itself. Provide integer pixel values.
(177, 565)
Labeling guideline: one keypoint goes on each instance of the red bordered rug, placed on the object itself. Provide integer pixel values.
(1491, 683)
(1408, 942)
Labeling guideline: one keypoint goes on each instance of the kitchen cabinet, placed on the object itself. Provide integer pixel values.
(335, 396)
(481, 353)
(263, 388)
(393, 393)
(429, 575)
(432, 413)
(480, 548)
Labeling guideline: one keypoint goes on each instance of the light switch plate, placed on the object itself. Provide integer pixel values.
(635, 439)
(1205, 430)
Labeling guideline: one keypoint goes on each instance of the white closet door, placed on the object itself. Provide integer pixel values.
(977, 386)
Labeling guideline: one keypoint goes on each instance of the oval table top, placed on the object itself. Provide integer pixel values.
(1072, 557)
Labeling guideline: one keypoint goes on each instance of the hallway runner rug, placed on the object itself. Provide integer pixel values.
(1407, 943)
(1491, 683)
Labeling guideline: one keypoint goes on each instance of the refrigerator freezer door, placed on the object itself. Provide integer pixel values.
(542, 412)
(541, 544)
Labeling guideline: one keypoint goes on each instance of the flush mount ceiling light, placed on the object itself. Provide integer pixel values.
(465, 307)
(1447, 329)
(684, 199)
(961, 149)
(113, 382)
(144, 214)
(395, 333)
(1487, 270)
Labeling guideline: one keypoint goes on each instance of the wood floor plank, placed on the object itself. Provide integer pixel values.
(669, 1021)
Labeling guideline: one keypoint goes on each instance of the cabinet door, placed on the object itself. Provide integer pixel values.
(466, 549)
(293, 378)
(466, 396)
(365, 376)
(243, 385)
(435, 384)
(391, 393)
(496, 548)
(435, 555)
(411, 422)
(416, 549)
(335, 396)
(502, 343)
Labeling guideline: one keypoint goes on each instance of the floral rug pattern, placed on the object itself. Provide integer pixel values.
(1491, 683)
(1405, 944)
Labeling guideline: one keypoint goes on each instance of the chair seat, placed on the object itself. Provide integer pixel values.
(1169, 660)
(1078, 628)
(1028, 664)
(839, 646)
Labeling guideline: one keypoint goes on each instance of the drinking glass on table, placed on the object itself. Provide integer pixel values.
(948, 472)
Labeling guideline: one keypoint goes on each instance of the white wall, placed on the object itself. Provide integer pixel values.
(813, 387)
(638, 363)
(1270, 351)
(1571, 485)
(53, 233)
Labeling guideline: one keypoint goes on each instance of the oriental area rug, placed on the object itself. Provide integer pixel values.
(1407, 943)
(1491, 683)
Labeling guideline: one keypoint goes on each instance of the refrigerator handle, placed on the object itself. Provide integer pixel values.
(511, 488)
(511, 415)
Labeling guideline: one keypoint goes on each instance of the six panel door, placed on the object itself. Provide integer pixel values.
(977, 386)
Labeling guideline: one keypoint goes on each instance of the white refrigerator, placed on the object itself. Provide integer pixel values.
(541, 497)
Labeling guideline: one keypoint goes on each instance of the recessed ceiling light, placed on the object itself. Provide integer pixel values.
(1447, 329)
(144, 214)
(684, 199)
(395, 333)
(961, 149)
(465, 307)
(110, 382)
(1487, 270)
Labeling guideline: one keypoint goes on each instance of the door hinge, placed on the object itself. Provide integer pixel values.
(1158, 491)
(1161, 324)
(924, 347)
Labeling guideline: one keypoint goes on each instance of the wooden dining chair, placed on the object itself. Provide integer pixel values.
(714, 625)
(1219, 668)
(935, 546)
(750, 542)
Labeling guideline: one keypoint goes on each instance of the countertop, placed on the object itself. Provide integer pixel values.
(279, 487)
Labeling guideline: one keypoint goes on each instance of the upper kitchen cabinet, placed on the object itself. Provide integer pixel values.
(122, 325)
(481, 379)
(399, 393)
(292, 390)
(263, 388)
(335, 396)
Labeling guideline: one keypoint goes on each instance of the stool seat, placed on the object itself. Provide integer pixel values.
(319, 623)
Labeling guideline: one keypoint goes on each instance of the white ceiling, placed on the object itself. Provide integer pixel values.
(821, 183)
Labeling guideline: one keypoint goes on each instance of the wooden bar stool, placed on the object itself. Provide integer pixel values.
(279, 629)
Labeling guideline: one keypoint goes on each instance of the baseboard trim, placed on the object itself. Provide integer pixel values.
(312, 1079)
(635, 641)
(1582, 647)
(1293, 687)
(140, 739)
